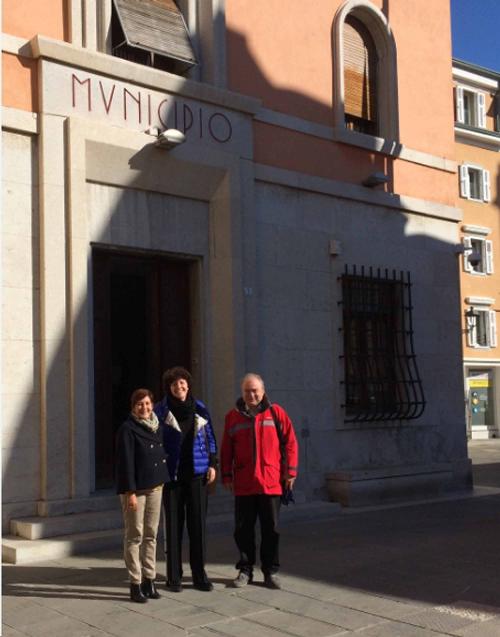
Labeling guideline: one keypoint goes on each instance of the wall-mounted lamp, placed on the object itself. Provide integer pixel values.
(170, 138)
(473, 256)
(375, 179)
(471, 316)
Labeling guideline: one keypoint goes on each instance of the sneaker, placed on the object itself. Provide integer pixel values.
(271, 580)
(242, 580)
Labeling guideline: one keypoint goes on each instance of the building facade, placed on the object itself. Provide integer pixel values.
(306, 229)
(477, 134)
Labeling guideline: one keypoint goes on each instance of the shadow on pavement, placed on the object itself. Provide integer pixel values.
(437, 553)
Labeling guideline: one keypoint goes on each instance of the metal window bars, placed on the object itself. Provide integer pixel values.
(381, 377)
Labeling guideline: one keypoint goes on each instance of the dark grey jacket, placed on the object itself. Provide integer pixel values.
(141, 461)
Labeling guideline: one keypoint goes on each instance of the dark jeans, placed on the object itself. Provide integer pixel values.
(247, 509)
(185, 501)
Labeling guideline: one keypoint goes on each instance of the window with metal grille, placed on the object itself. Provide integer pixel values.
(360, 78)
(381, 378)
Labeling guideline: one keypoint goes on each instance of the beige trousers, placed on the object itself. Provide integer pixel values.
(141, 528)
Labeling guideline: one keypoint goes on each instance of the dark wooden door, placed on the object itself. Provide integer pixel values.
(142, 326)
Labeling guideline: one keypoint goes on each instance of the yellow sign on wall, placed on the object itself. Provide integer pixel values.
(479, 382)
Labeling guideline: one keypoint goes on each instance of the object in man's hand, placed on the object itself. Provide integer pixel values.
(287, 497)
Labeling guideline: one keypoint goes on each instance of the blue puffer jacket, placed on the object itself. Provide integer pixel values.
(204, 443)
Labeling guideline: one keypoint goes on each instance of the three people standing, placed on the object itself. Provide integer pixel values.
(175, 444)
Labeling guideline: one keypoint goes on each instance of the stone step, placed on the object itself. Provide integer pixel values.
(106, 501)
(16, 550)
(37, 528)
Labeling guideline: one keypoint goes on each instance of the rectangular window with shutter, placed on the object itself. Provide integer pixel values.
(484, 332)
(470, 107)
(474, 183)
(481, 247)
(153, 33)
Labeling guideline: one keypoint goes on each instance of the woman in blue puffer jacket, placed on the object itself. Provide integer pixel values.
(191, 447)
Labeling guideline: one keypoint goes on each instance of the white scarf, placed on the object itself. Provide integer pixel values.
(150, 423)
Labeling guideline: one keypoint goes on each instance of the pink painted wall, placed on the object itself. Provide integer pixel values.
(19, 82)
(285, 57)
(26, 18)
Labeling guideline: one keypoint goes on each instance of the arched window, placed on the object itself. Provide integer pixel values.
(365, 72)
(360, 77)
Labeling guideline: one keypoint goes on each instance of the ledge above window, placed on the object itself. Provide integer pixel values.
(480, 135)
(483, 230)
(479, 300)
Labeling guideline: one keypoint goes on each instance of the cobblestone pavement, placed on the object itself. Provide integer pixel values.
(420, 570)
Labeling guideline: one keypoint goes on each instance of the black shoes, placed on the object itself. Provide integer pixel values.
(174, 587)
(149, 589)
(271, 580)
(136, 594)
(202, 583)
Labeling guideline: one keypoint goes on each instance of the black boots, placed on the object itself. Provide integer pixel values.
(149, 589)
(174, 587)
(202, 583)
(136, 594)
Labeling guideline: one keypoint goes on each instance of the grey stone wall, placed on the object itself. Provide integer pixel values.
(20, 325)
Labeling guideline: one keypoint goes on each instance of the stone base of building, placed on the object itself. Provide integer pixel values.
(482, 432)
(368, 487)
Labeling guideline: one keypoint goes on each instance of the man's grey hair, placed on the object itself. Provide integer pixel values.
(252, 376)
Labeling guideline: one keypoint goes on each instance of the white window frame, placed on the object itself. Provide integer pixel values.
(489, 317)
(479, 106)
(486, 252)
(484, 182)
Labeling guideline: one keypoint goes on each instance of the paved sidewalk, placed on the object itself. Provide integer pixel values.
(420, 570)
(425, 570)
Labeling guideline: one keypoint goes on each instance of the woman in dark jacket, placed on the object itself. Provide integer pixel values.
(141, 471)
(192, 460)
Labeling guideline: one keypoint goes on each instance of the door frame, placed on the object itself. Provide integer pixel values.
(194, 299)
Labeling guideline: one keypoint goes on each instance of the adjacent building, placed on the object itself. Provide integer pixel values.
(306, 229)
(477, 134)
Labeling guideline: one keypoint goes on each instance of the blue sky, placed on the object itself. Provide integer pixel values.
(475, 28)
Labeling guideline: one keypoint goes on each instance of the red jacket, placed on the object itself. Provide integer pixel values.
(250, 452)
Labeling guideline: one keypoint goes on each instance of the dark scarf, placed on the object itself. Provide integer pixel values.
(183, 410)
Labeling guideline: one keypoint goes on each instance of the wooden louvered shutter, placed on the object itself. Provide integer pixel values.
(152, 27)
(360, 73)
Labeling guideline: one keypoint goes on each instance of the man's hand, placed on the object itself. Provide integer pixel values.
(228, 486)
(131, 502)
(289, 483)
(211, 475)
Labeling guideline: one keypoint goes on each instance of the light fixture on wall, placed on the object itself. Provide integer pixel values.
(375, 179)
(471, 316)
(170, 138)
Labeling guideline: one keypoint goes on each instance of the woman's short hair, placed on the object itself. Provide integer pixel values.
(140, 394)
(173, 374)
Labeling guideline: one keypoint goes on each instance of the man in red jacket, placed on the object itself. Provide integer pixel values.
(259, 457)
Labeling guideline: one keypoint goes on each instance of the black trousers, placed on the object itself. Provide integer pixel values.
(185, 502)
(247, 509)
